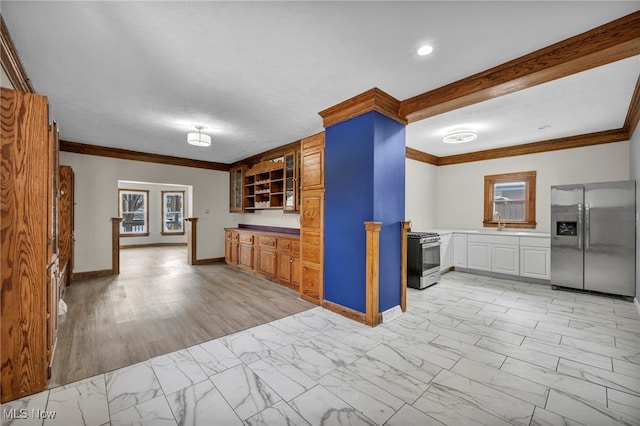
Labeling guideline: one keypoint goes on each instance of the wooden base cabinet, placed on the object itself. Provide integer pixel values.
(289, 263)
(271, 255)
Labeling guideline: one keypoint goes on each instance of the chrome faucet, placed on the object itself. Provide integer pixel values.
(496, 216)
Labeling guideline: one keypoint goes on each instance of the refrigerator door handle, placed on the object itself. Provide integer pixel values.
(579, 225)
(587, 225)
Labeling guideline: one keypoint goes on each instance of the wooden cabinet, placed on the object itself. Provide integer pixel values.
(292, 181)
(312, 159)
(271, 255)
(267, 263)
(289, 262)
(312, 219)
(264, 186)
(29, 194)
(245, 250)
(66, 223)
(231, 247)
(235, 189)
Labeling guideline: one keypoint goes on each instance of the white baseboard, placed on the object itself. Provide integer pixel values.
(635, 302)
(391, 314)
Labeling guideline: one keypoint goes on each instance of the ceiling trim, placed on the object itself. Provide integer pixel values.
(125, 154)
(268, 155)
(10, 61)
(587, 139)
(414, 154)
(633, 114)
(371, 100)
(616, 40)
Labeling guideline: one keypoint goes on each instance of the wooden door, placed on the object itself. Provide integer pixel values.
(66, 223)
(312, 158)
(245, 255)
(24, 220)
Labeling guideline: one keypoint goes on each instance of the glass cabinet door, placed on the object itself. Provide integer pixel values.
(289, 182)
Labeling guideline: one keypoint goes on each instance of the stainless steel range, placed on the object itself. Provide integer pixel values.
(423, 259)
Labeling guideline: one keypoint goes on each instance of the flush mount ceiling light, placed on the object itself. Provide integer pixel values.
(424, 50)
(460, 136)
(199, 139)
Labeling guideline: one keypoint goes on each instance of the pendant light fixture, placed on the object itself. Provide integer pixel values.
(199, 139)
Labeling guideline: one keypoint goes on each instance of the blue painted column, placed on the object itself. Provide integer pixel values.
(364, 181)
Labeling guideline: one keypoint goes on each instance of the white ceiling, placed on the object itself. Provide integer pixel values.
(140, 75)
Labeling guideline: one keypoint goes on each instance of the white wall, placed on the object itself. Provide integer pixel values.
(4, 80)
(269, 218)
(421, 195)
(634, 173)
(155, 212)
(460, 187)
(96, 197)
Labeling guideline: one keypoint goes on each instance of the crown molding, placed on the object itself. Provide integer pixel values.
(125, 154)
(10, 61)
(371, 100)
(616, 40)
(579, 141)
(414, 154)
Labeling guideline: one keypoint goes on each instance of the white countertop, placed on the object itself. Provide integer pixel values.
(506, 232)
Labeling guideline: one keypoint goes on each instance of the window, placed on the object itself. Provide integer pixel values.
(134, 211)
(511, 197)
(172, 208)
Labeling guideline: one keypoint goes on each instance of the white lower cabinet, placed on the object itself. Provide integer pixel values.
(460, 250)
(446, 252)
(503, 254)
(535, 258)
(505, 259)
(479, 256)
(493, 253)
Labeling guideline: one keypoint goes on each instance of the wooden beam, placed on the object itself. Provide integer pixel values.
(608, 43)
(10, 61)
(125, 154)
(633, 113)
(579, 141)
(371, 100)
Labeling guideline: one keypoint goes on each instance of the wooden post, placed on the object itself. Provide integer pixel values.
(191, 225)
(372, 315)
(115, 244)
(403, 268)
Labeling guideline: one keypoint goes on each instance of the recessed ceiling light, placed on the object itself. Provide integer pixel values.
(460, 136)
(424, 50)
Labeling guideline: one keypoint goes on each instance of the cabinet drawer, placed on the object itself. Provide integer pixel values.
(493, 239)
(268, 242)
(284, 244)
(535, 241)
(246, 238)
(230, 235)
(295, 246)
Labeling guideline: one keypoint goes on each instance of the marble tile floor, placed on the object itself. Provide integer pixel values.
(471, 350)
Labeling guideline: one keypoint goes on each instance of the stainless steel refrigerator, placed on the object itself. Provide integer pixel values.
(593, 237)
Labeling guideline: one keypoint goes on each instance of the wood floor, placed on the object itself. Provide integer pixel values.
(159, 304)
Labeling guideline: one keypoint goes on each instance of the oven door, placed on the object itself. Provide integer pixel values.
(430, 258)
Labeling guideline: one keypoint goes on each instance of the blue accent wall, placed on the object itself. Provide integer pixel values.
(364, 181)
